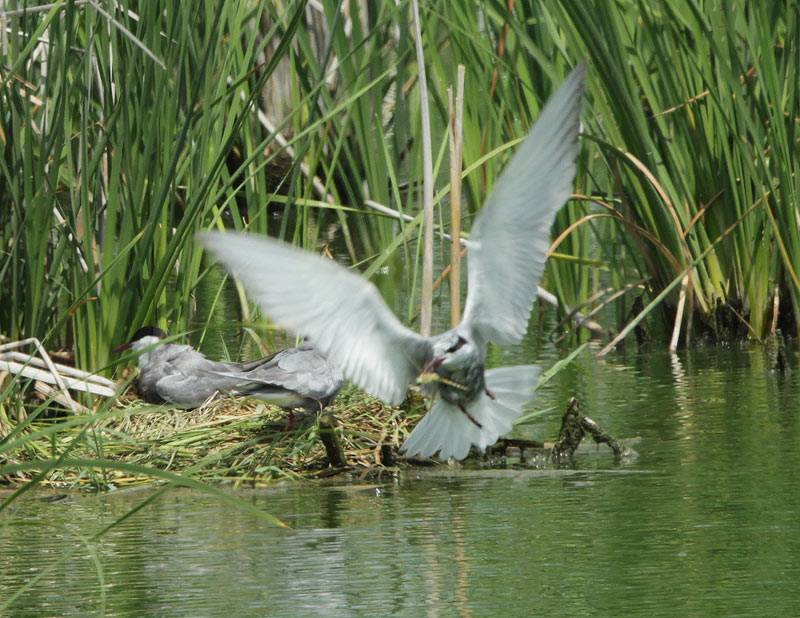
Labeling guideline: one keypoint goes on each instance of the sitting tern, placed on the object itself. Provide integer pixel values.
(178, 374)
(349, 322)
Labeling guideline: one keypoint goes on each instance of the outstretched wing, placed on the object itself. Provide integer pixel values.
(511, 234)
(341, 312)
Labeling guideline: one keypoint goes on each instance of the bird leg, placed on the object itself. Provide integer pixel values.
(469, 416)
(489, 393)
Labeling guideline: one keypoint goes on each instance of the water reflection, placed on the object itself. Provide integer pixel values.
(704, 522)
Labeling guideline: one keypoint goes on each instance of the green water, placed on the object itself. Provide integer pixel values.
(704, 522)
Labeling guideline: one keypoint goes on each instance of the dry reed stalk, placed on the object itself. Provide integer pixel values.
(456, 152)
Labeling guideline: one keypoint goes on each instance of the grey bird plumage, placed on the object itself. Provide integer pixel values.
(178, 374)
(293, 378)
(347, 319)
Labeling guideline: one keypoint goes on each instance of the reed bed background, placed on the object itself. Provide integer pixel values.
(128, 127)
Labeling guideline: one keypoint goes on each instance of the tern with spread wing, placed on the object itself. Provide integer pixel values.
(349, 322)
(178, 374)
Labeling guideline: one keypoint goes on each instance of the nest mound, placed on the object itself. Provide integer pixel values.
(233, 440)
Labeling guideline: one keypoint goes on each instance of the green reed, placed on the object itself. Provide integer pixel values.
(123, 137)
(137, 138)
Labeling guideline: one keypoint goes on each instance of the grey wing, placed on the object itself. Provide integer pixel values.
(305, 371)
(185, 390)
(341, 312)
(300, 370)
(185, 360)
(189, 377)
(249, 365)
(511, 234)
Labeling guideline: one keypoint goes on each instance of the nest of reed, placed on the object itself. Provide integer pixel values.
(236, 441)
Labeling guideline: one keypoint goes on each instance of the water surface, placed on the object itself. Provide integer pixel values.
(703, 522)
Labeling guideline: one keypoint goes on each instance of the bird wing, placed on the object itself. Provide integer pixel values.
(341, 312)
(186, 390)
(185, 376)
(511, 234)
(184, 361)
(300, 370)
(308, 373)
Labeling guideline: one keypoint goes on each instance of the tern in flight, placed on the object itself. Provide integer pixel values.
(349, 322)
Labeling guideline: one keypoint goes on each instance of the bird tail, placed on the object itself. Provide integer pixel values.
(449, 431)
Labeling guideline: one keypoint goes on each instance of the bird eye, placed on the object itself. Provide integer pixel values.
(461, 341)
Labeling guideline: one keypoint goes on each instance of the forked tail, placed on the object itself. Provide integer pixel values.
(446, 429)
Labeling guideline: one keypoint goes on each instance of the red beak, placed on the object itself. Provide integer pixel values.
(433, 365)
(123, 347)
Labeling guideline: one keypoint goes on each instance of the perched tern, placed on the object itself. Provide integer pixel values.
(178, 374)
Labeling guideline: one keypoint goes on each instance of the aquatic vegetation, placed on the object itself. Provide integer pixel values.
(145, 131)
(232, 441)
(122, 138)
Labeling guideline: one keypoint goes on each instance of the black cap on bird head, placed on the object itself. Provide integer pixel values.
(144, 331)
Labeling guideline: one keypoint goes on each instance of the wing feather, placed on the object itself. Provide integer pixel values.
(511, 234)
(447, 430)
(341, 312)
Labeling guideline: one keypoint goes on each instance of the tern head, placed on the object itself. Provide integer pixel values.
(142, 338)
(452, 350)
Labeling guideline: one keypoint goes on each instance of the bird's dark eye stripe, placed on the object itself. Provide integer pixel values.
(461, 341)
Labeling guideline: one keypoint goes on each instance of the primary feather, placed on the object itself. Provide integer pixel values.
(293, 378)
(341, 312)
(511, 234)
